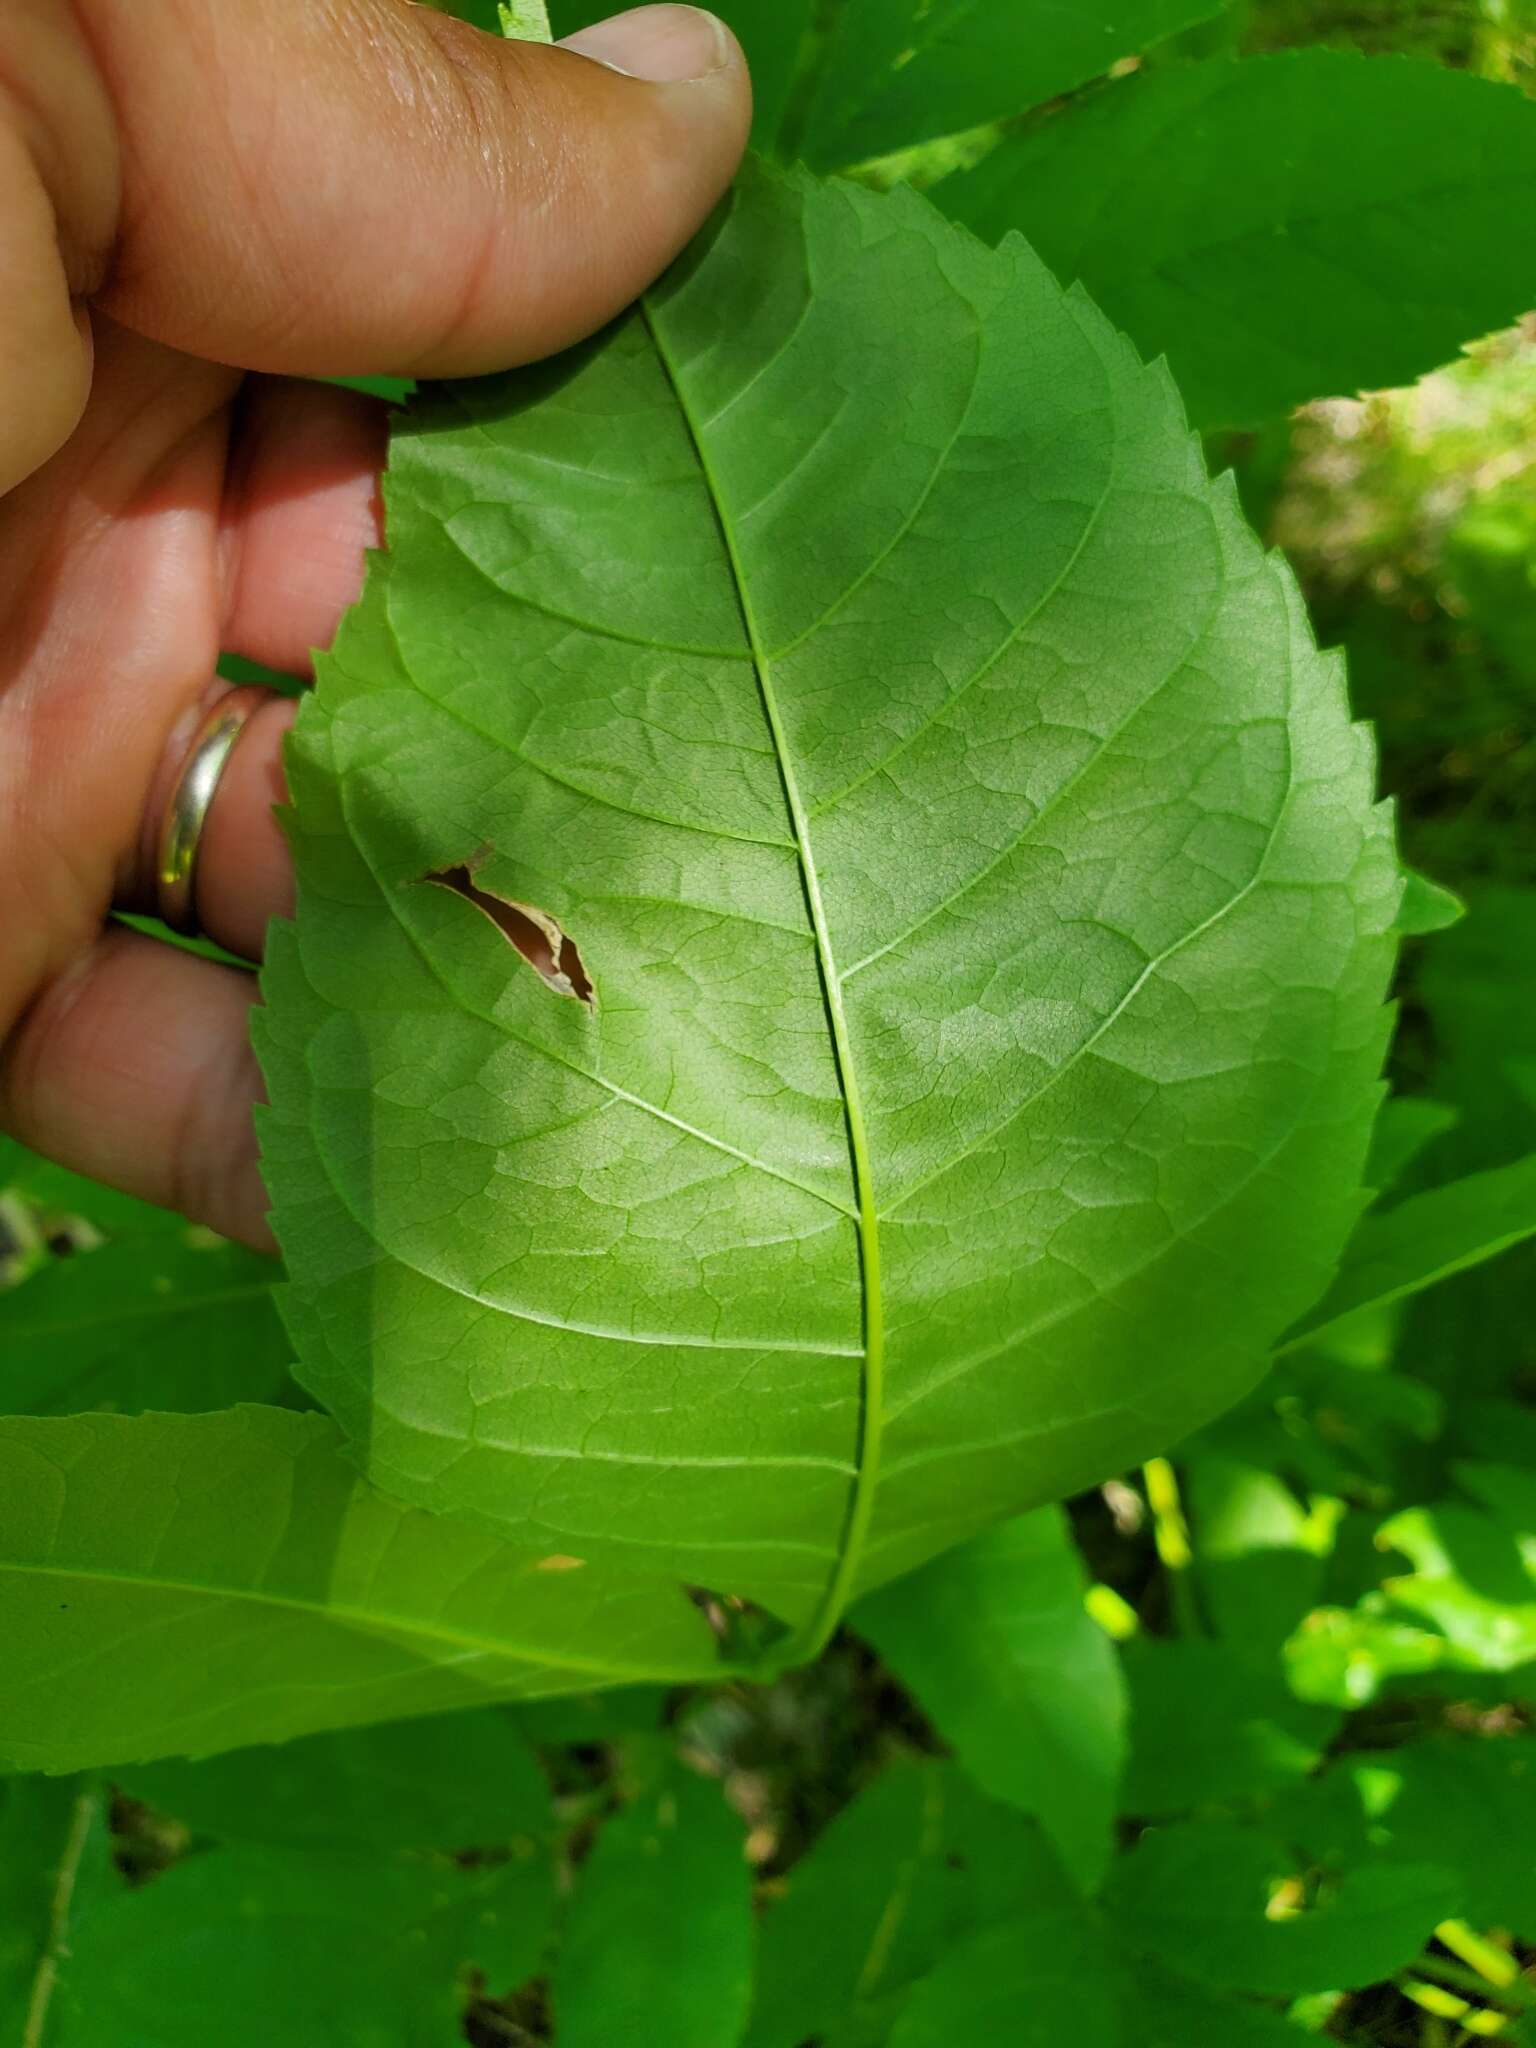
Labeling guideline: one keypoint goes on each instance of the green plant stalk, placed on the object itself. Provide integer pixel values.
(1170, 1533)
(57, 1946)
(1497, 1965)
(526, 21)
(1445, 2005)
(1516, 1992)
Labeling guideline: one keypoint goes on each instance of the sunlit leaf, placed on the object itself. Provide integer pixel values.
(176, 1585)
(976, 881)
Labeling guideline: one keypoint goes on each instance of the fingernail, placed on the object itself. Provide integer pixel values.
(663, 44)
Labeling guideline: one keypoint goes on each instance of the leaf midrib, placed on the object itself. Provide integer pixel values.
(817, 1632)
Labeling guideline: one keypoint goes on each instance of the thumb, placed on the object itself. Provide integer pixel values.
(328, 186)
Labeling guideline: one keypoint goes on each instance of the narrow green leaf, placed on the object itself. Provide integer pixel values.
(1479, 986)
(995, 1644)
(1407, 1126)
(176, 1585)
(1283, 228)
(55, 1871)
(917, 1863)
(1043, 1981)
(658, 1941)
(979, 885)
(1425, 1239)
(1203, 1891)
(898, 72)
(450, 1782)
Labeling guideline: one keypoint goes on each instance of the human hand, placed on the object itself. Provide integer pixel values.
(191, 191)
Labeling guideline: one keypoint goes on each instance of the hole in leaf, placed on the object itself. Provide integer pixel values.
(549, 951)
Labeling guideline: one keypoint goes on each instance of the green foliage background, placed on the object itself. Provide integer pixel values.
(1237, 1748)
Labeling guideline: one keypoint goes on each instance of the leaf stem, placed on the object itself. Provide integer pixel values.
(1170, 1533)
(1445, 2005)
(1516, 1991)
(1493, 1964)
(82, 1814)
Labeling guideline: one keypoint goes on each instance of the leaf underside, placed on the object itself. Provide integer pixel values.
(979, 884)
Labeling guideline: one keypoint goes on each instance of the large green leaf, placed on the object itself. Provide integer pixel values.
(898, 72)
(175, 1585)
(658, 1942)
(1284, 228)
(979, 886)
(1411, 1246)
(995, 1644)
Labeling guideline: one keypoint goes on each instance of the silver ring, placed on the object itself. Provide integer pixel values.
(186, 812)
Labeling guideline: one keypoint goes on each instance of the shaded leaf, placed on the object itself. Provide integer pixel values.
(1209, 1728)
(455, 1781)
(1425, 1239)
(1406, 1125)
(979, 880)
(1204, 1891)
(918, 1862)
(175, 1585)
(899, 72)
(160, 1315)
(1165, 2010)
(1042, 1981)
(1467, 1805)
(330, 1951)
(658, 1940)
(995, 1644)
(1206, 209)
